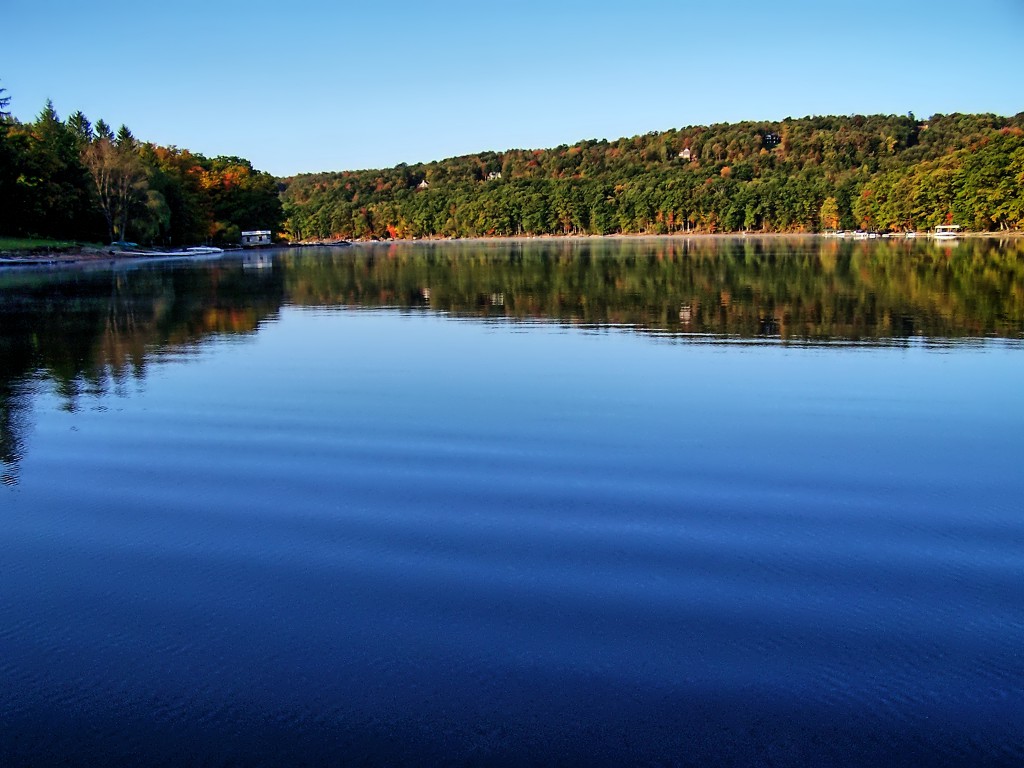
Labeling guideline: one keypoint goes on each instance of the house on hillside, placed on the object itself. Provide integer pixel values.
(686, 155)
(423, 185)
(494, 176)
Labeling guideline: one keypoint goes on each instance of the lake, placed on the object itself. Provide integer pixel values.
(668, 501)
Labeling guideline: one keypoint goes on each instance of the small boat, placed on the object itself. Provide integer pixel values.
(947, 232)
(203, 249)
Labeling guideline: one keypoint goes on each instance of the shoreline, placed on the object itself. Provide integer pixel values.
(1010, 234)
(87, 256)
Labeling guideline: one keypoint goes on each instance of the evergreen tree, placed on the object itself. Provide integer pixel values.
(103, 131)
(125, 138)
(80, 128)
(5, 102)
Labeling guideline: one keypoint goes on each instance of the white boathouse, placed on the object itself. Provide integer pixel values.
(255, 238)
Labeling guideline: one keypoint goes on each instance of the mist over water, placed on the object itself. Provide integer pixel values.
(732, 502)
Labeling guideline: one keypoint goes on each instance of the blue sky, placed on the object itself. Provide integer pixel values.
(310, 85)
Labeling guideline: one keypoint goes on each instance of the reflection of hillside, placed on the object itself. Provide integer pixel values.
(795, 289)
(90, 332)
(87, 332)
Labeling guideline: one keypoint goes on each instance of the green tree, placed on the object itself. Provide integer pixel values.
(125, 138)
(80, 128)
(10, 162)
(104, 131)
(52, 182)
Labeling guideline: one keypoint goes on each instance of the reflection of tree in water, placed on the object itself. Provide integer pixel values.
(14, 405)
(16, 356)
(800, 289)
(91, 334)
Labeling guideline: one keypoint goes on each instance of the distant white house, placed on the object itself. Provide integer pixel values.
(255, 238)
(494, 175)
(423, 185)
(685, 155)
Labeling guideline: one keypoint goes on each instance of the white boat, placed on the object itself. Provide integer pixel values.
(946, 232)
(201, 249)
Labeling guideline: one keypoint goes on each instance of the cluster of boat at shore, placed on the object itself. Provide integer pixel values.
(941, 232)
(122, 248)
(127, 249)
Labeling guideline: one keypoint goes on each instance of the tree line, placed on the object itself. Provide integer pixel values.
(881, 172)
(71, 179)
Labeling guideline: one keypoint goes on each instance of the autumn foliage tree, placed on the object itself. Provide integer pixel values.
(797, 175)
(120, 182)
(78, 179)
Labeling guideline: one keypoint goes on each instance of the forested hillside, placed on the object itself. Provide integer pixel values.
(70, 179)
(798, 175)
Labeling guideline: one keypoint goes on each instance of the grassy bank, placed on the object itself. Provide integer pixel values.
(39, 245)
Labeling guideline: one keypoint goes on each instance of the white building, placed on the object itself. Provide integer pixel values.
(255, 238)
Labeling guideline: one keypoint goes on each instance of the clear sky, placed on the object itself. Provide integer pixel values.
(310, 85)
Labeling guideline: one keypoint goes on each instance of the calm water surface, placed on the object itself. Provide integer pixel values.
(736, 503)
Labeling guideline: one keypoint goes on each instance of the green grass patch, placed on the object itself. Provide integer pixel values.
(9, 244)
(28, 243)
